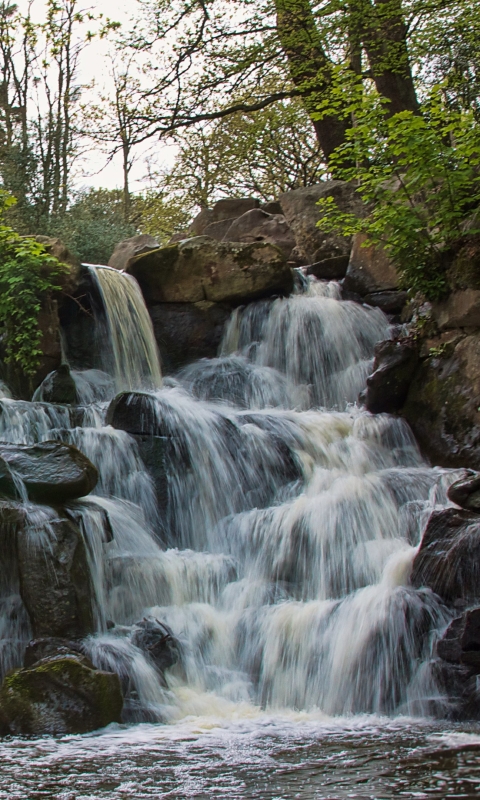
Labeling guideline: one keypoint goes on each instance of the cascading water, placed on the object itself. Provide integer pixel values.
(281, 560)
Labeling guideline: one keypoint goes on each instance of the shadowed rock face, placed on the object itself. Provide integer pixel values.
(369, 270)
(393, 369)
(58, 695)
(51, 472)
(448, 561)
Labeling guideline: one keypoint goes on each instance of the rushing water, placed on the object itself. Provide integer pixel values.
(280, 563)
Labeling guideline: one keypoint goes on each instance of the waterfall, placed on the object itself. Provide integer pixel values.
(133, 357)
(281, 560)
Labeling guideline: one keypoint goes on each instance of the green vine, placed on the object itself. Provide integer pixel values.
(28, 275)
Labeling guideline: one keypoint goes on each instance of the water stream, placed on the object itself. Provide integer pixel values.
(280, 563)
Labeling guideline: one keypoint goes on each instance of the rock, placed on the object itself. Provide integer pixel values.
(186, 332)
(60, 695)
(156, 639)
(134, 412)
(55, 581)
(51, 472)
(82, 343)
(57, 387)
(217, 230)
(464, 270)
(443, 401)
(394, 366)
(330, 269)
(272, 207)
(50, 646)
(258, 225)
(201, 269)
(153, 451)
(460, 643)
(460, 310)
(227, 209)
(369, 269)
(127, 251)
(448, 560)
(466, 492)
(391, 301)
(302, 213)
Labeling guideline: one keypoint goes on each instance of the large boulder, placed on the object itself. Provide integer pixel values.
(227, 209)
(460, 644)
(393, 369)
(443, 402)
(58, 387)
(186, 332)
(134, 412)
(370, 270)
(49, 472)
(448, 560)
(60, 695)
(466, 491)
(460, 310)
(201, 269)
(125, 252)
(258, 225)
(157, 640)
(303, 216)
(55, 581)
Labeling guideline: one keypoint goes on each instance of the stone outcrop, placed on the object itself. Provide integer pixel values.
(58, 695)
(460, 310)
(393, 369)
(50, 472)
(302, 214)
(370, 271)
(466, 491)
(448, 560)
(200, 269)
(125, 252)
(258, 225)
(460, 644)
(228, 209)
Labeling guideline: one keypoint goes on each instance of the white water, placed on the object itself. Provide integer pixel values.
(291, 530)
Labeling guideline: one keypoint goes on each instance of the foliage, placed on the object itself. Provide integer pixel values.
(419, 179)
(27, 275)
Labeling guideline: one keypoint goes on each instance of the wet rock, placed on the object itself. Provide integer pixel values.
(302, 213)
(443, 402)
(51, 472)
(60, 695)
(201, 269)
(186, 332)
(50, 646)
(369, 270)
(156, 639)
(57, 387)
(391, 301)
(78, 315)
(134, 412)
(258, 225)
(466, 492)
(448, 560)
(458, 684)
(330, 269)
(460, 643)
(127, 251)
(55, 581)
(460, 310)
(393, 369)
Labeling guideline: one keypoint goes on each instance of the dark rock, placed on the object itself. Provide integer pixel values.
(60, 695)
(448, 560)
(272, 207)
(55, 581)
(39, 649)
(258, 225)
(153, 451)
(156, 639)
(329, 269)
(51, 472)
(369, 269)
(391, 301)
(57, 387)
(203, 218)
(394, 366)
(466, 492)
(443, 402)
(81, 317)
(201, 269)
(227, 209)
(460, 310)
(458, 684)
(302, 213)
(127, 251)
(186, 332)
(134, 412)
(460, 643)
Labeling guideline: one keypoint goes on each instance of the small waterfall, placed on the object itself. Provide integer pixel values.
(133, 360)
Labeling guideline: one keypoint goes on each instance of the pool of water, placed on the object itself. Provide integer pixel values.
(257, 756)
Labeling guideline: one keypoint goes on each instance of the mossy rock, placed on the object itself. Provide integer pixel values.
(464, 271)
(58, 696)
